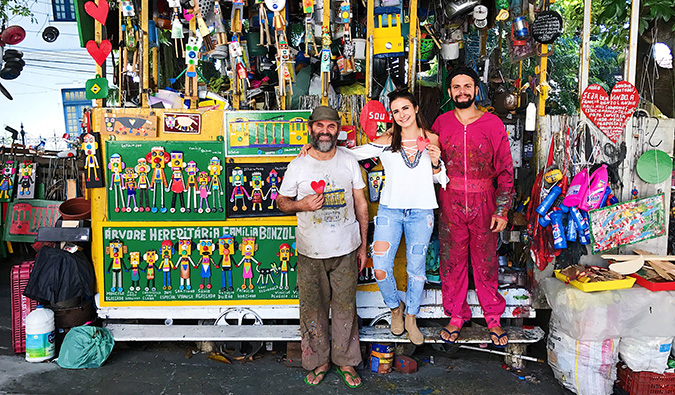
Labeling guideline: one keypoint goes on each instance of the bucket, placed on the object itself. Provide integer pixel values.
(359, 48)
(75, 209)
(381, 357)
(450, 51)
(40, 335)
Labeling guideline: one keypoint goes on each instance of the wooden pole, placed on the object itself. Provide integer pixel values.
(145, 54)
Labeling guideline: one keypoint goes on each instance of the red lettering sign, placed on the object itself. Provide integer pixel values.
(610, 114)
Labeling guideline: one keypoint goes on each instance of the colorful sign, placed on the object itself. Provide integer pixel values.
(265, 133)
(129, 125)
(165, 180)
(610, 114)
(199, 263)
(627, 223)
(252, 188)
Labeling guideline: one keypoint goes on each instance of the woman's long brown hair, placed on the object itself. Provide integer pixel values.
(396, 128)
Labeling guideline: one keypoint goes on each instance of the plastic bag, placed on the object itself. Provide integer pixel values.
(646, 354)
(85, 347)
(584, 367)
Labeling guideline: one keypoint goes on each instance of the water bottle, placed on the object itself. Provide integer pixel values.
(40, 335)
(571, 230)
(559, 241)
(548, 200)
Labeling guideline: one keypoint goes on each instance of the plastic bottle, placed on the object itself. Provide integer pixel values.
(559, 241)
(545, 220)
(598, 183)
(578, 218)
(585, 232)
(531, 117)
(548, 200)
(577, 189)
(571, 230)
(40, 335)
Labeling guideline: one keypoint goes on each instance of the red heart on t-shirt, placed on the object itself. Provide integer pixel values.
(422, 143)
(318, 187)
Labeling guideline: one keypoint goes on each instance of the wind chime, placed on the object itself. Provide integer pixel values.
(283, 53)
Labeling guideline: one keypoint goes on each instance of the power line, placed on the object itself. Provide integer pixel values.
(58, 61)
(62, 69)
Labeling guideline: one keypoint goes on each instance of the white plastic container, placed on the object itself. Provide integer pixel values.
(40, 335)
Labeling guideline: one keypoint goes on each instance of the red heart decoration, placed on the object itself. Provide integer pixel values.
(98, 12)
(187, 15)
(318, 187)
(422, 143)
(610, 114)
(99, 53)
(372, 113)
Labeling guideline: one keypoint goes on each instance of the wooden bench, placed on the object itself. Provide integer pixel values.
(519, 337)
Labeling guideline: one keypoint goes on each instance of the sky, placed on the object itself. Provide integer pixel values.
(49, 68)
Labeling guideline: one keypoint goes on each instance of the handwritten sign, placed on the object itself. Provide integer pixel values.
(610, 114)
(373, 113)
(547, 27)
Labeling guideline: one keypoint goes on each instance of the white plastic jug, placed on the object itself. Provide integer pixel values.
(40, 335)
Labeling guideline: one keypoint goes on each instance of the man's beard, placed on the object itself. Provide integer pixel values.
(322, 145)
(463, 104)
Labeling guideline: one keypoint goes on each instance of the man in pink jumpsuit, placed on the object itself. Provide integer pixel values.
(472, 212)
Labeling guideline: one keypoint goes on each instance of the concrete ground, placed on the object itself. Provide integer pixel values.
(172, 368)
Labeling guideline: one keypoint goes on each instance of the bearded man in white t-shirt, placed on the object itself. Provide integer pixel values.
(325, 190)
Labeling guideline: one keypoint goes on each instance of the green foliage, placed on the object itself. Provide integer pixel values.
(9, 8)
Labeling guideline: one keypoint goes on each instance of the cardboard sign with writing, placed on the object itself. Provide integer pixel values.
(610, 113)
(372, 114)
(547, 27)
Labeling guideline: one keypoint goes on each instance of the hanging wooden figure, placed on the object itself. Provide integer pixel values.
(283, 52)
(158, 158)
(221, 30)
(238, 180)
(130, 54)
(177, 186)
(215, 186)
(248, 247)
(26, 183)
(237, 15)
(191, 171)
(143, 185)
(92, 159)
(184, 248)
(177, 28)
(116, 250)
(191, 62)
(310, 45)
(7, 181)
(346, 64)
(116, 166)
(265, 38)
(130, 185)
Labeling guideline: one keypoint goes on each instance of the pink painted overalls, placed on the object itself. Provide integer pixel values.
(475, 156)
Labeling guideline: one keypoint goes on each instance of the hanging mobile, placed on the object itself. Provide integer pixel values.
(176, 27)
(347, 62)
(308, 8)
(283, 53)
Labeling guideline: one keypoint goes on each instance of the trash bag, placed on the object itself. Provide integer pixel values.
(59, 275)
(85, 347)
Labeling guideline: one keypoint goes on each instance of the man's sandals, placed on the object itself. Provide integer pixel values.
(316, 374)
(344, 374)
